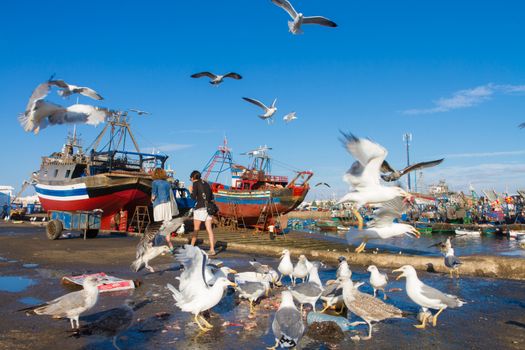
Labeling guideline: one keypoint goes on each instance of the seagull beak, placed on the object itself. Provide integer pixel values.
(401, 275)
(416, 233)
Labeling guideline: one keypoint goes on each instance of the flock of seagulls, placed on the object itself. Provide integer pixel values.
(203, 282)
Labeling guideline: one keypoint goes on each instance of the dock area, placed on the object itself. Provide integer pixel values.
(317, 247)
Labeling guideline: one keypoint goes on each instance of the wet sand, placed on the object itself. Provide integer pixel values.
(494, 316)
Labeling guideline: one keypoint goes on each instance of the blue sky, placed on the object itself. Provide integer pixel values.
(449, 72)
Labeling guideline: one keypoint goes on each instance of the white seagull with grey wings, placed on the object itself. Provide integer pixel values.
(426, 296)
(364, 174)
(382, 226)
(268, 111)
(299, 19)
(40, 113)
(287, 325)
(71, 305)
(216, 79)
(194, 295)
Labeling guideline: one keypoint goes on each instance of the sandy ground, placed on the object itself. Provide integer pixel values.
(494, 316)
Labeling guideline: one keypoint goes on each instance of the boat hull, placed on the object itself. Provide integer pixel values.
(107, 192)
(247, 206)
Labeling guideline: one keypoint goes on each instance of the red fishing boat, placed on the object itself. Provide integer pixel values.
(110, 179)
(255, 197)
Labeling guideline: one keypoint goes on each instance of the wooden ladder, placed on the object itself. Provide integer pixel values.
(140, 218)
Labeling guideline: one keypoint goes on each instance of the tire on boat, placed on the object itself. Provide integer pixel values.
(54, 229)
(92, 233)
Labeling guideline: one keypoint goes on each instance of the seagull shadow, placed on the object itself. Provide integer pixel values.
(516, 323)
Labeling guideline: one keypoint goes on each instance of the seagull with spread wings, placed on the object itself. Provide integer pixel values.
(322, 184)
(289, 117)
(216, 79)
(268, 111)
(390, 174)
(299, 19)
(43, 114)
(194, 295)
(40, 113)
(70, 89)
(363, 176)
(139, 112)
(382, 226)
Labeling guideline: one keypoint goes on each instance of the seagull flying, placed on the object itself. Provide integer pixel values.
(146, 251)
(322, 184)
(382, 226)
(44, 113)
(289, 117)
(216, 79)
(363, 176)
(299, 19)
(139, 112)
(70, 89)
(390, 174)
(287, 325)
(71, 305)
(426, 296)
(378, 280)
(268, 111)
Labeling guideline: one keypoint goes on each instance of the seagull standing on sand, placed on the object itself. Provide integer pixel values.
(112, 323)
(382, 226)
(452, 262)
(343, 270)
(363, 176)
(268, 111)
(309, 292)
(299, 19)
(300, 270)
(193, 294)
(287, 325)
(426, 296)
(367, 307)
(216, 79)
(71, 305)
(289, 117)
(378, 280)
(285, 267)
(394, 175)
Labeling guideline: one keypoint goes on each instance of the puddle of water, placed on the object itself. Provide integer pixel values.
(14, 283)
(30, 301)
(30, 266)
